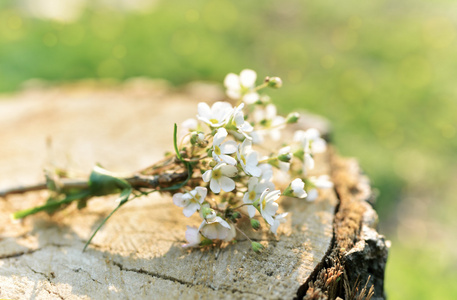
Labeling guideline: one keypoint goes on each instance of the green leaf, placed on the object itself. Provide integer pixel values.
(51, 205)
(102, 182)
(175, 142)
(123, 198)
(257, 247)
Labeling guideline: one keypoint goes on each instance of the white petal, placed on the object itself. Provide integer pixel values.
(251, 98)
(234, 94)
(251, 158)
(229, 147)
(207, 176)
(268, 218)
(322, 182)
(270, 111)
(221, 110)
(300, 194)
(248, 78)
(275, 134)
(228, 170)
(231, 234)
(190, 124)
(271, 208)
(253, 181)
(239, 119)
(227, 184)
(202, 191)
(297, 184)
(274, 227)
(220, 136)
(312, 195)
(215, 186)
(193, 237)
(299, 135)
(246, 127)
(319, 146)
(190, 209)
(203, 110)
(273, 196)
(178, 200)
(309, 161)
(227, 159)
(251, 211)
(222, 222)
(210, 231)
(232, 81)
(257, 137)
(313, 133)
(253, 170)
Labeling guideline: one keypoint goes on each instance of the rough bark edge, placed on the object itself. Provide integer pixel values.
(354, 265)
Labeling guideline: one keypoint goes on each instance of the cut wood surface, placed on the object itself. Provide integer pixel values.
(138, 253)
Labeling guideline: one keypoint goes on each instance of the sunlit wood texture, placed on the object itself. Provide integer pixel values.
(138, 253)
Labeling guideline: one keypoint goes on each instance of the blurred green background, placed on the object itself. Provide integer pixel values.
(383, 72)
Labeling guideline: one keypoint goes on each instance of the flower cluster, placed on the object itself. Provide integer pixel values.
(235, 177)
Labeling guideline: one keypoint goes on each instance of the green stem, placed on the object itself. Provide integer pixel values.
(175, 142)
(100, 226)
(51, 205)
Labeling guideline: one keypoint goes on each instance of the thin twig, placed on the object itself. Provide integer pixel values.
(136, 181)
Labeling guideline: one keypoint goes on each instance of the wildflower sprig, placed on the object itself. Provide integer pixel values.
(224, 168)
(235, 165)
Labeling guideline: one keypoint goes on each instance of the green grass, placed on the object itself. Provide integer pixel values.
(383, 72)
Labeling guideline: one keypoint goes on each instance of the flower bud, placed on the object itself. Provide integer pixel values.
(209, 215)
(299, 154)
(193, 138)
(274, 82)
(255, 224)
(288, 192)
(286, 157)
(205, 211)
(257, 247)
(236, 215)
(273, 162)
(292, 118)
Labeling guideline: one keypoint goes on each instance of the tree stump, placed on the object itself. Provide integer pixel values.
(328, 248)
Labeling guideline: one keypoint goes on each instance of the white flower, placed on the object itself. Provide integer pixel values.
(312, 195)
(219, 178)
(220, 150)
(268, 206)
(193, 237)
(312, 143)
(267, 171)
(188, 125)
(217, 229)
(191, 201)
(248, 158)
(255, 189)
(284, 166)
(321, 182)
(281, 218)
(298, 188)
(240, 123)
(242, 86)
(217, 115)
(271, 122)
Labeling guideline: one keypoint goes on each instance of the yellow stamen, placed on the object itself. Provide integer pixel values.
(217, 174)
(217, 150)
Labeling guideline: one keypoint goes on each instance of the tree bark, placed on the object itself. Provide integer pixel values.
(326, 249)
